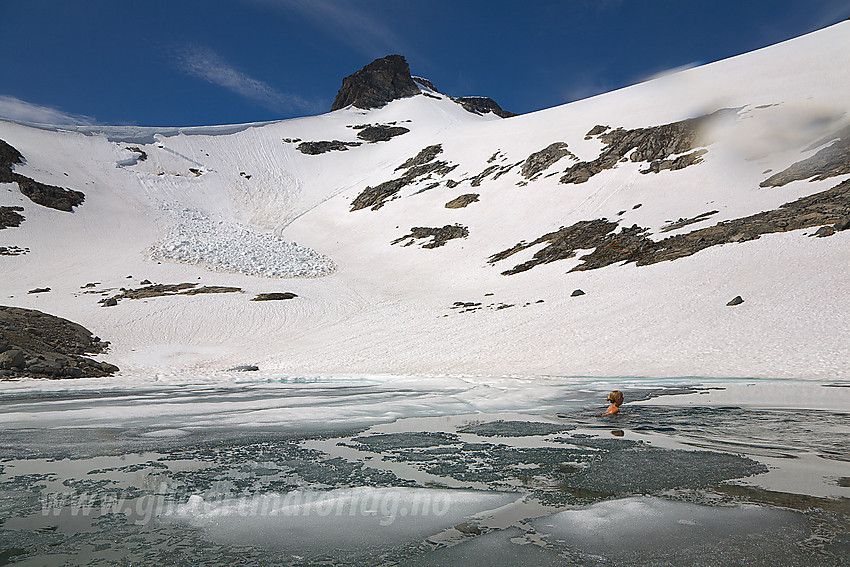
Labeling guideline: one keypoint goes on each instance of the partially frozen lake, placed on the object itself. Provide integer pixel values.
(389, 472)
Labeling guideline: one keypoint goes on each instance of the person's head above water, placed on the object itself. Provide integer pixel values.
(616, 399)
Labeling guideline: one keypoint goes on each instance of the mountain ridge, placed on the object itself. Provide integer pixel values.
(227, 206)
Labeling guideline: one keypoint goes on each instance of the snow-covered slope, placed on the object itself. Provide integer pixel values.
(227, 205)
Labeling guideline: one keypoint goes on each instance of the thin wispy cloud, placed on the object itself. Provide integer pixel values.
(344, 20)
(668, 72)
(13, 108)
(204, 63)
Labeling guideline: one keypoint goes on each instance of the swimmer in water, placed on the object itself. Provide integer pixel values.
(616, 399)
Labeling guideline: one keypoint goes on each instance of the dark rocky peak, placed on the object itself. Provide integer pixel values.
(482, 105)
(426, 83)
(376, 84)
(387, 79)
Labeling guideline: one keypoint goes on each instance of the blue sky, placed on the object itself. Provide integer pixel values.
(194, 62)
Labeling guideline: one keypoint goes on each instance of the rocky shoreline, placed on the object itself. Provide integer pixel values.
(37, 345)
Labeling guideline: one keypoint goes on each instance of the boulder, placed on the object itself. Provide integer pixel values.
(12, 358)
(824, 231)
(462, 201)
(576, 293)
(738, 300)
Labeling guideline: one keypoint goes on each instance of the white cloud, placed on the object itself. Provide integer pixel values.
(345, 20)
(13, 108)
(206, 64)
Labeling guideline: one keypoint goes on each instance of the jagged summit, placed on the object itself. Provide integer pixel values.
(387, 79)
(482, 105)
(376, 84)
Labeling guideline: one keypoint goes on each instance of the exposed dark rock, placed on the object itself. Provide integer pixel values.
(632, 244)
(680, 162)
(824, 231)
(682, 222)
(275, 296)
(211, 289)
(376, 84)
(462, 201)
(451, 183)
(842, 224)
(596, 130)
(50, 196)
(482, 105)
(291, 140)
(576, 293)
(563, 244)
(495, 170)
(159, 290)
(737, 300)
(142, 155)
(244, 368)
(419, 167)
(381, 133)
(438, 236)
(476, 181)
(145, 282)
(540, 161)
(830, 161)
(424, 156)
(39, 290)
(13, 251)
(12, 358)
(10, 217)
(316, 148)
(426, 83)
(376, 197)
(39, 345)
(653, 144)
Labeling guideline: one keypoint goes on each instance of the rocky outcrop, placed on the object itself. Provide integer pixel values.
(50, 196)
(321, 147)
(13, 251)
(381, 133)
(683, 222)
(421, 166)
(376, 84)
(462, 201)
(438, 236)
(274, 296)
(10, 217)
(540, 161)
(655, 145)
(160, 290)
(38, 345)
(482, 105)
(632, 244)
(829, 162)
